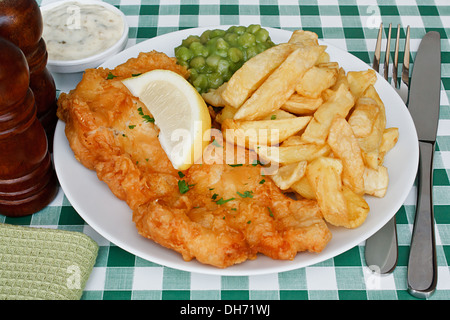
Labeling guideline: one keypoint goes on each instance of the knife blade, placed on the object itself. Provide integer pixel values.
(424, 103)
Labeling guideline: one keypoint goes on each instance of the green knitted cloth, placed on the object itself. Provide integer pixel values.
(40, 263)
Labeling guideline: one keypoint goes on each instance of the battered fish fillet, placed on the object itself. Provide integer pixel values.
(226, 215)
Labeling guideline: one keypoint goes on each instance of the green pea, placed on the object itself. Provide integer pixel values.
(253, 28)
(198, 49)
(223, 66)
(235, 54)
(231, 29)
(251, 52)
(197, 63)
(187, 42)
(217, 33)
(215, 79)
(240, 30)
(213, 60)
(213, 57)
(262, 35)
(201, 81)
(221, 44)
(193, 74)
(246, 40)
(231, 38)
(206, 35)
(183, 53)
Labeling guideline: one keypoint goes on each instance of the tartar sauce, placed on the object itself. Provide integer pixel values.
(76, 30)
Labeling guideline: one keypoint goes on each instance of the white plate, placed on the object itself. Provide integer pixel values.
(111, 217)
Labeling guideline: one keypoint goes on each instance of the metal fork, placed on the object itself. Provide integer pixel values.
(381, 249)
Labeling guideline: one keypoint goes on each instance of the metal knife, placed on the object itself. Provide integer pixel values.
(424, 101)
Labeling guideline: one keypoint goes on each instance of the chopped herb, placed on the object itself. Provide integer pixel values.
(222, 201)
(211, 188)
(270, 212)
(235, 165)
(256, 162)
(214, 197)
(182, 186)
(146, 117)
(246, 194)
(180, 174)
(146, 159)
(135, 74)
(249, 221)
(234, 209)
(132, 126)
(124, 135)
(273, 117)
(110, 76)
(262, 181)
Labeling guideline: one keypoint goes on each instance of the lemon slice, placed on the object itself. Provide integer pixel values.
(179, 111)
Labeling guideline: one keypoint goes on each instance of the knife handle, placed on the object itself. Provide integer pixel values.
(422, 269)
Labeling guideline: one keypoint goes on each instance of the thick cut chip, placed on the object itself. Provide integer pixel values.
(340, 206)
(359, 81)
(357, 208)
(301, 105)
(289, 174)
(340, 80)
(363, 117)
(280, 85)
(370, 143)
(227, 112)
(304, 37)
(278, 115)
(345, 146)
(253, 73)
(214, 96)
(293, 153)
(303, 188)
(316, 80)
(324, 175)
(376, 181)
(338, 105)
(389, 140)
(262, 132)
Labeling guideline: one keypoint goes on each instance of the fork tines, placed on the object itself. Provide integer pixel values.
(377, 56)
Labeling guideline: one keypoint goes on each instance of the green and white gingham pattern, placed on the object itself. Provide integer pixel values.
(351, 25)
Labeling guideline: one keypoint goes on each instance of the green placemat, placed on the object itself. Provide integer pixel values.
(41, 263)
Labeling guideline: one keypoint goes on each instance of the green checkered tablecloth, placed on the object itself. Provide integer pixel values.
(351, 25)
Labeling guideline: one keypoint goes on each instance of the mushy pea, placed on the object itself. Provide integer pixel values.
(213, 57)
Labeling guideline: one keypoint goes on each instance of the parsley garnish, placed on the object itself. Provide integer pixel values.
(110, 76)
(273, 117)
(270, 212)
(183, 186)
(235, 165)
(256, 162)
(262, 181)
(222, 201)
(135, 74)
(146, 117)
(246, 194)
(180, 174)
(132, 126)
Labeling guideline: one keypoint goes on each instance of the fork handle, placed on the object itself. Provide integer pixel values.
(422, 269)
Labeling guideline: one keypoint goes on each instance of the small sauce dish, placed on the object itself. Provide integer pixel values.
(82, 34)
